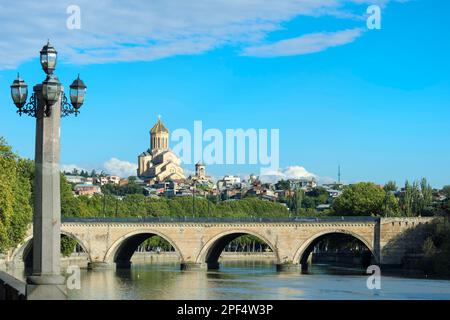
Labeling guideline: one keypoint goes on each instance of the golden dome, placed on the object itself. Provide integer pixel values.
(159, 127)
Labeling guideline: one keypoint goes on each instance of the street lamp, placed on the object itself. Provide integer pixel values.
(51, 89)
(77, 93)
(47, 104)
(48, 58)
(19, 92)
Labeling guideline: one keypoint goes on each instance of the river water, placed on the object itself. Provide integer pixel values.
(246, 280)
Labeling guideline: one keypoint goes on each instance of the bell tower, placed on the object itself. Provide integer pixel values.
(159, 136)
(200, 171)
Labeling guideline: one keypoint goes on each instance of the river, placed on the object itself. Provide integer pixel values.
(246, 280)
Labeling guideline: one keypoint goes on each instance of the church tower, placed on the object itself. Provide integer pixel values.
(159, 137)
(200, 171)
(159, 163)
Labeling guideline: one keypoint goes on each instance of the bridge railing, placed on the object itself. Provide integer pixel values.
(216, 219)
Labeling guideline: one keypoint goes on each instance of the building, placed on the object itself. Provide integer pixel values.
(74, 179)
(229, 182)
(200, 171)
(303, 183)
(114, 179)
(87, 189)
(159, 163)
(107, 179)
(270, 195)
(200, 177)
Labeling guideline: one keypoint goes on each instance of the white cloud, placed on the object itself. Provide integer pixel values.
(120, 168)
(292, 172)
(295, 172)
(310, 43)
(113, 31)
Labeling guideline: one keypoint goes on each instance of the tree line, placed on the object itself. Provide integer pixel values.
(370, 199)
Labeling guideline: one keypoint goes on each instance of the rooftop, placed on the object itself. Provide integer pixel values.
(159, 127)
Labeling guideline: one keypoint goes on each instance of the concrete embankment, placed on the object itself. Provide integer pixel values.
(81, 259)
(142, 257)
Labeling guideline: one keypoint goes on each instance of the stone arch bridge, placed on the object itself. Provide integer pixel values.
(199, 243)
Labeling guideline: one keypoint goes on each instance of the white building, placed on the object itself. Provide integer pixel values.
(75, 179)
(229, 181)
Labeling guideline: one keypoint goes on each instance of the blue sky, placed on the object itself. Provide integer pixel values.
(377, 102)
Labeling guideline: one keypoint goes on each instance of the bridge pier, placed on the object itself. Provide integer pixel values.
(200, 266)
(99, 265)
(192, 266)
(289, 267)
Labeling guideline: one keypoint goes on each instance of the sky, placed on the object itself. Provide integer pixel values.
(376, 102)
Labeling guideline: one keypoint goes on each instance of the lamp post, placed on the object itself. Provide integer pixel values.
(47, 104)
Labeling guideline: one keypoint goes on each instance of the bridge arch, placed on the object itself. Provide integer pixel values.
(121, 251)
(302, 253)
(23, 252)
(212, 249)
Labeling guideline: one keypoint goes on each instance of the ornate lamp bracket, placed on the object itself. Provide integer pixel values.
(66, 108)
(30, 107)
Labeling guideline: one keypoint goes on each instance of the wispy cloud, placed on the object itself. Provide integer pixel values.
(113, 166)
(112, 31)
(310, 43)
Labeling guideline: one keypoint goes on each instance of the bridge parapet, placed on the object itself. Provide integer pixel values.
(349, 219)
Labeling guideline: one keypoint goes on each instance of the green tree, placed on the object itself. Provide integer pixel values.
(391, 206)
(417, 198)
(295, 203)
(436, 249)
(446, 191)
(390, 186)
(68, 245)
(15, 197)
(283, 185)
(426, 198)
(407, 199)
(361, 199)
(70, 205)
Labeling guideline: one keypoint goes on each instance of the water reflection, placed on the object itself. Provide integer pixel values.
(245, 280)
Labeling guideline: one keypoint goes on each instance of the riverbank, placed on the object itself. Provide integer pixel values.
(82, 260)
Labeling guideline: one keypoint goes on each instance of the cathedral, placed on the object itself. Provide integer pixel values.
(159, 163)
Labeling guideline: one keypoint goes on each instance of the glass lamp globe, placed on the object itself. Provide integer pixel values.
(19, 92)
(77, 93)
(48, 58)
(51, 89)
